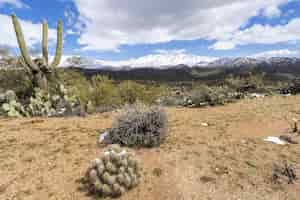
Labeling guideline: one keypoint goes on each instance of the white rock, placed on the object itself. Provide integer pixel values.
(204, 124)
(104, 138)
(275, 140)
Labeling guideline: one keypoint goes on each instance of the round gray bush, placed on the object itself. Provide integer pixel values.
(139, 125)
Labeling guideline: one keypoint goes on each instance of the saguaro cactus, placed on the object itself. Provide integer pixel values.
(39, 68)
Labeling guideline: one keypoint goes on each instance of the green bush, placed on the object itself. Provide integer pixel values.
(131, 92)
(77, 85)
(100, 91)
(247, 83)
(200, 94)
(220, 95)
(16, 80)
(104, 92)
(216, 95)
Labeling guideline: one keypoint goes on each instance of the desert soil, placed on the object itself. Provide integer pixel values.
(228, 160)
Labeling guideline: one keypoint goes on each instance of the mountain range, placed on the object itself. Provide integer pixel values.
(219, 63)
(279, 68)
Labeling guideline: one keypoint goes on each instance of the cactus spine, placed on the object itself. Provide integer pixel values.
(39, 67)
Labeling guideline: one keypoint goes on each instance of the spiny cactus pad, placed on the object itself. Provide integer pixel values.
(116, 172)
(9, 105)
(41, 103)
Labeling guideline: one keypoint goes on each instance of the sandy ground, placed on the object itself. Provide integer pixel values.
(46, 158)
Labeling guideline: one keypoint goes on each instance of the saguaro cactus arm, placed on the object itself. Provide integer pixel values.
(22, 62)
(59, 45)
(22, 44)
(45, 42)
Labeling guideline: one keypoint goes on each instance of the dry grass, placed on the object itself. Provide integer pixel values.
(45, 158)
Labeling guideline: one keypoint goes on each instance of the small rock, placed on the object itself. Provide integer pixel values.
(104, 138)
(204, 124)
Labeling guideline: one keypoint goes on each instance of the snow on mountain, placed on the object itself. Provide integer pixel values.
(234, 62)
(161, 59)
(170, 60)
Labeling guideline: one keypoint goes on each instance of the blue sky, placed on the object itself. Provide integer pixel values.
(117, 31)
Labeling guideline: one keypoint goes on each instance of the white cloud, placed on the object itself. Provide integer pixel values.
(111, 23)
(262, 34)
(16, 3)
(223, 45)
(170, 51)
(278, 53)
(70, 16)
(161, 58)
(272, 11)
(32, 32)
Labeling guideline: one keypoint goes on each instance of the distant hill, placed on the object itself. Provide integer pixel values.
(279, 68)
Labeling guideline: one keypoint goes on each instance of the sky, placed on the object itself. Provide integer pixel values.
(158, 31)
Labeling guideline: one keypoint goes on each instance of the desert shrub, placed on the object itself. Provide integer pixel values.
(77, 85)
(172, 101)
(104, 91)
(221, 95)
(16, 80)
(200, 94)
(139, 125)
(155, 94)
(217, 95)
(234, 82)
(291, 88)
(114, 173)
(247, 83)
(131, 91)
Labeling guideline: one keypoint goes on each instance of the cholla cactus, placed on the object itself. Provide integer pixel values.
(116, 172)
(139, 125)
(39, 67)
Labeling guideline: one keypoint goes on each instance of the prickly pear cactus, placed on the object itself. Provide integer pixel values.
(40, 104)
(10, 106)
(116, 172)
(13, 109)
(10, 95)
(44, 104)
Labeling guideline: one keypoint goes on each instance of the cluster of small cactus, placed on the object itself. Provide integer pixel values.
(139, 125)
(41, 103)
(116, 172)
(10, 106)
